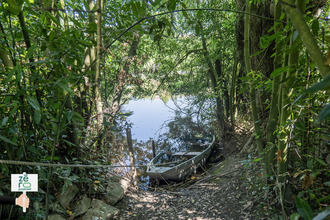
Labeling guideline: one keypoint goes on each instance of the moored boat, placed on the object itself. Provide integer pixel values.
(176, 163)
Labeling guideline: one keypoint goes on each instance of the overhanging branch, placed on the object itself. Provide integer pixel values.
(176, 11)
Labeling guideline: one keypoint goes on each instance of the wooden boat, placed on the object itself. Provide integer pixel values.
(176, 164)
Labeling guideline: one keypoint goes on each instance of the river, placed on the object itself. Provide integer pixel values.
(150, 116)
(149, 121)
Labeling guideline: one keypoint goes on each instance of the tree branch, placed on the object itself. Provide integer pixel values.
(309, 41)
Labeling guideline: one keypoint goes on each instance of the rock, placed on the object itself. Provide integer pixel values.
(100, 210)
(116, 190)
(82, 206)
(66, 197)
(55, 217)
(114, 193)
(123, 182)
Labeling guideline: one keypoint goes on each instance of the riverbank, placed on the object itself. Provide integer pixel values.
(230, 189)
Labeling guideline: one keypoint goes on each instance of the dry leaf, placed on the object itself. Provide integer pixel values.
(69, 212)
(278, 156)
(308, 181)
(298, 173)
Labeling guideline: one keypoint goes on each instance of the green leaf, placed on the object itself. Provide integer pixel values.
(7, 140)
(65, 87)
(78, 117)
(303, 208)
(324, 113)
(9, 77)
(199, 14)
(4, 121)
(69, 115)
(257, 53)
(256, 160)
(76, 22)
(19, 73)
(167, 22)
(197, 29)
(31, 51)
(279, 71)
(310, 164)
(327, 39)
(160, 24)
(86, 5)
(54, 19)
(322, 85)
(295, 216)
(322, 215)
(244, 89)
(34, 103)
(68, 142)
(185, 14)
(37, 116)
(157, 37)
(4, 169)
(33, 150)
(91, 28)
(300, 127)
(171, 5)
(134, 9)
(320, 161)
(77, 34)
(184, 6)
(295, 35)
(13, 7)
(266, 40)
(169, 31)
(315, 27)
(52, 34)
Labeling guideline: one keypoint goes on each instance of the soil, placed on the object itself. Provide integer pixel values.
(229, 189)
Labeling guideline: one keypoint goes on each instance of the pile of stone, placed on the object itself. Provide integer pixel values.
(86, 208)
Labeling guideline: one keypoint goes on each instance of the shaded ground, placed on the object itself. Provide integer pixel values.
(230, 189)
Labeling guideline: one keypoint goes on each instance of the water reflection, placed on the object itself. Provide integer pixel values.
(165, 123)
(150, 116)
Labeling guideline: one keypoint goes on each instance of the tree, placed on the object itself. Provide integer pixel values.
(67, 67)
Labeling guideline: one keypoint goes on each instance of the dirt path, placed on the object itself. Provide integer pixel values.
(222, 194)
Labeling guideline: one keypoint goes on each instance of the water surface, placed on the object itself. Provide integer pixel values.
(149, 117)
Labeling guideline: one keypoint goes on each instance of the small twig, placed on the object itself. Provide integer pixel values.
(215, 176)
(204, 169)
(65, 10)
(279, 186)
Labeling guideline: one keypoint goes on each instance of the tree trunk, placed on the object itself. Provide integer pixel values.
(6, 58)
(274, 110)
(248, 67)
(121, 80)
(285, 113)
(232, 97)
(131, 156)
(306, 36)
(214, 79)
(98, 100)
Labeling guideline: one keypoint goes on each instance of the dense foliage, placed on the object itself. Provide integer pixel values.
(67, 66)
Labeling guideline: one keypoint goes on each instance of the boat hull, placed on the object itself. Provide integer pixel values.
(182, 170)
